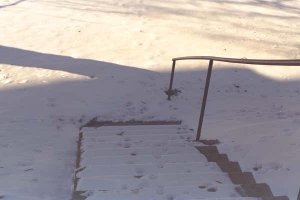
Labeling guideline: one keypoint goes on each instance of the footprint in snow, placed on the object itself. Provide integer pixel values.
(133, 154)
(127, 139)
(135, 191)
(121, 133)
(202, 187)
(257, 167)
(127, 145)
(27, 170)
(212, 189)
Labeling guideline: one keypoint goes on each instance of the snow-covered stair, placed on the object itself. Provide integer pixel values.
(148, 163)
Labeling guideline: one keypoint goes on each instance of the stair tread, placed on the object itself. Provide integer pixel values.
(182, 192)
(153, 180)
(137, 144)
(149, 165)
(160, 168)
(140, 151)
(132, 127)
(129, 159)
(149, 137)
(120, 132)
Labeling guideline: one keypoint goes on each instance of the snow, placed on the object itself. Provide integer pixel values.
(147, 173)
(63, 63)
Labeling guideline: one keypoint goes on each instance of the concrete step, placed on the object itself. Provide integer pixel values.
(175, 179)
(92, 197)
(166, 193)
(191, 190)
(138, 144)
(166, 150)
(137, 169)
(140, 159)
(134, 127)
(149, 137)
(120, 132)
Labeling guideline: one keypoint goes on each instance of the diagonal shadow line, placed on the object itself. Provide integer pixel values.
(87, 67)
(12, 4)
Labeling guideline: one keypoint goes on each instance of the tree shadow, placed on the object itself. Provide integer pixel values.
(86, 67)
(249, 22)
(276, 4)
(12, 4)
(188, 9)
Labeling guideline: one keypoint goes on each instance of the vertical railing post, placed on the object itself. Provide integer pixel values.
(298, 198)
(209, 71)
(171, 80)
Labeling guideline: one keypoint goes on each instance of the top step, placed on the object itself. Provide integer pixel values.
(134, 127)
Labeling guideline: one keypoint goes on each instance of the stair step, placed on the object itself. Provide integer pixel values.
(159, 137)
(176, 179)
(165, 193)
(138, 144)
(139, 151)
(134, 127)
(104, 184)
(136, 169)
(140, 159)
(124, 132)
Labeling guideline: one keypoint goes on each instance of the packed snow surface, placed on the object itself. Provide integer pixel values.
(146, 163)
(63, 63)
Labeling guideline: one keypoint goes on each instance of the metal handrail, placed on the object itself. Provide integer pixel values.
(295, 62)
(211, 59)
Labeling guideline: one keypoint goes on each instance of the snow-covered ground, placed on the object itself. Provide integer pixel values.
(65, 62)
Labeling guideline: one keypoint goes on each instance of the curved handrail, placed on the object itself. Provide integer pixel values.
(295, 62)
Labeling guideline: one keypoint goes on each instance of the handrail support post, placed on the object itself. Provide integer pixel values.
(171, 80)
(205, 94)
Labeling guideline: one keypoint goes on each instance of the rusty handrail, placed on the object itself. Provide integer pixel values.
(295, 62)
